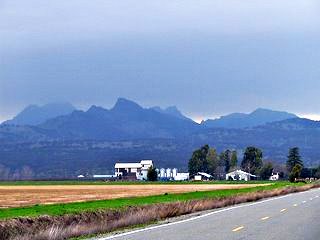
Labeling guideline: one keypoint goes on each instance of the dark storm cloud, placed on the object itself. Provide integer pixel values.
(206, 57)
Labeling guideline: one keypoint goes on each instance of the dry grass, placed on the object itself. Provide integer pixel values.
(64, 227)
(18, 196)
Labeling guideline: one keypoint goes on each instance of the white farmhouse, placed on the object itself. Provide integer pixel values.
(239, 175)
(274, 177)
(138, 171)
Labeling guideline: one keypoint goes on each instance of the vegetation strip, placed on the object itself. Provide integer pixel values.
(121, 203)
(109, 219)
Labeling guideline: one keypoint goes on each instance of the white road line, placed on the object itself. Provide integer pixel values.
(264, 218)
(295, 205)
(283, 210)
(304, 201)
(195, 218)
(238, 229)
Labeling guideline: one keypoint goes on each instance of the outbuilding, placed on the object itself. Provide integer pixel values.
(274, 177)
(239, 175)
(202, 176)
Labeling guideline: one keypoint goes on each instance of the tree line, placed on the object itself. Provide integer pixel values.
(206, 159)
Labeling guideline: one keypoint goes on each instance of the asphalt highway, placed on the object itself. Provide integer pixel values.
(291, 217)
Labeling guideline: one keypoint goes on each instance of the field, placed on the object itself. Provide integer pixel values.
(28, 195)
(45, 210)
(53, 221)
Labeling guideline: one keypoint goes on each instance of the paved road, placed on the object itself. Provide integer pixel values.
(295, 217)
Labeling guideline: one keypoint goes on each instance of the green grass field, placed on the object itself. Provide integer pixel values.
(121, 203)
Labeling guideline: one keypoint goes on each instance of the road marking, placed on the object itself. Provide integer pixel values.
(283, 210)
(238, 229)
(198, 217)
(264, 218)
(304, 201)
(317, 196)
(311, 199)
(295, 205)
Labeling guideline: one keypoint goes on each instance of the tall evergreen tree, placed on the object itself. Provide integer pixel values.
(252, 160)
(227, 160)
(152, 174)
(294, 158)
(234, 160)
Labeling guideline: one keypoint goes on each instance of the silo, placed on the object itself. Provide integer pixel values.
(168, 173)
(162, 173)
(174, 172)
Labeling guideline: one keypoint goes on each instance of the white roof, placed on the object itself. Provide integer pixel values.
(205, 174)
(146, 162)
(241, 172)
(182, 174)
(133, 165)
(127, 165)
(103, 176)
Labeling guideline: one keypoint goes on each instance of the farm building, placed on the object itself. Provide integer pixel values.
(137, 171)
(274, 177)
(239, 175)
(201, 176)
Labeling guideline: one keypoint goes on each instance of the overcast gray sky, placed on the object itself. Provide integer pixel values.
(207, 57)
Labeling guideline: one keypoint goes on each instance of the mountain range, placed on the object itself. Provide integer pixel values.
(92, 140)
(243, 120)
(127, 120)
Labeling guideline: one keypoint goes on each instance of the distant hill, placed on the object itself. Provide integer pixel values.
(242, 120)
(34, 115)
(126, 120)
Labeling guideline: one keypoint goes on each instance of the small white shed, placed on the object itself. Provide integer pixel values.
(200, 176)
(274, 177)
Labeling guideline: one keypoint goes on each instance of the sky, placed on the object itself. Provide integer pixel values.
(208, 58)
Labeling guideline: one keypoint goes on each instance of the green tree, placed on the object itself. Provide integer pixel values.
(212, 160)
(152, 174)
(295, 172)
(266, 171)
(198, 161)
(234, 160)
(294, 158)
(252, 160)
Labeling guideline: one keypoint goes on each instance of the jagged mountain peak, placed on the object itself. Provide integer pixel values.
(172, 111)
(125, 104)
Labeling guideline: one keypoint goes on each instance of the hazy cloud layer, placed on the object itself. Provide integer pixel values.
(206, 57)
